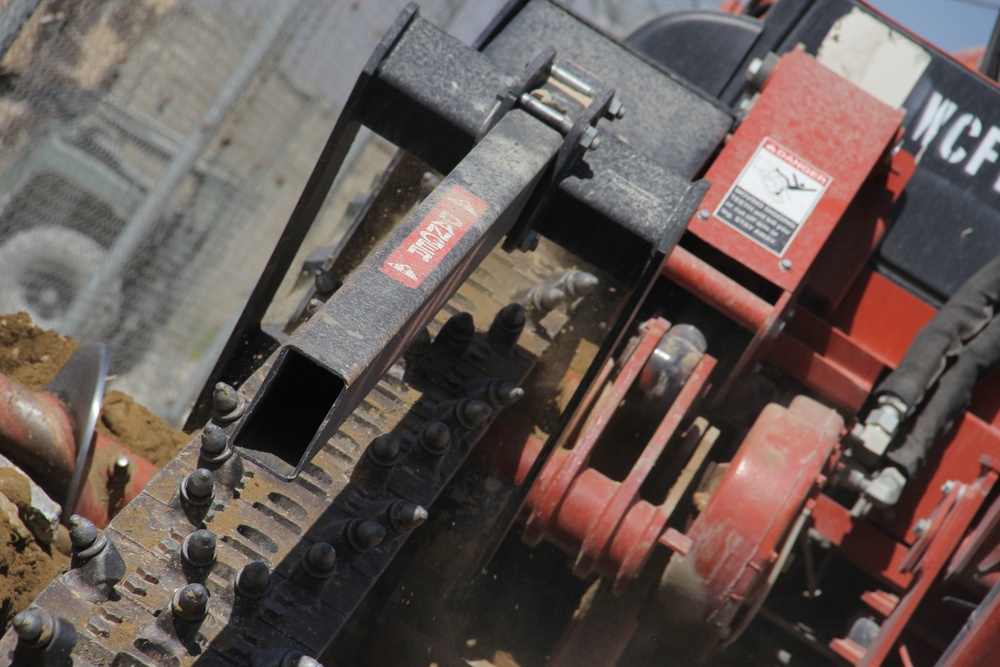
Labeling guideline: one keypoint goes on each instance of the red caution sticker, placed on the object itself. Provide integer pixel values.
(434, 237)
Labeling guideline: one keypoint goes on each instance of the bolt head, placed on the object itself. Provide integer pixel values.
(460, 328)
(580, 283)
(702, 214)
(548, 297)
(785, 264)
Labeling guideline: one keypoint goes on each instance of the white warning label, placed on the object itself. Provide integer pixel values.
(773, 196)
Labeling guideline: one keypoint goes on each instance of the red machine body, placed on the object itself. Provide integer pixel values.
(792, 216)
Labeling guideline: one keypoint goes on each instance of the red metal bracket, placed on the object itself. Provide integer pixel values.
(604, 522)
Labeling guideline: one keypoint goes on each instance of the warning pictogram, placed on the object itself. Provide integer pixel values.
(773, 196)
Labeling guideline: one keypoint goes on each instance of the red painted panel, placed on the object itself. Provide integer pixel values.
(794, 168)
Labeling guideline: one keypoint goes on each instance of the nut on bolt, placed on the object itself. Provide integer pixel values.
(590, 138)
(616, 109)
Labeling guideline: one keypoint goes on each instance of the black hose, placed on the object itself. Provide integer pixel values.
(946, 359)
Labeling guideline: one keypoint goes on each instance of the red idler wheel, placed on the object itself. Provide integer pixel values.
(709, 592)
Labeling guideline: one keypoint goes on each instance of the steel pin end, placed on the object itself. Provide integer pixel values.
(213, 440)
(253, 581)
(472, 413)
(82, 532)
(224, 398)
(384, 450)
(405, 516)
(512, 317)
(459, 328)
(320, 560)
(579, 283)
(364, 535)
(190, 603)
(435, 439)
(199, 547)
(33, 626)
(198, 487)
(507, 394)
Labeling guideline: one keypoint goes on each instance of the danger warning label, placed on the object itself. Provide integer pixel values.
(434, 237)
(773, 196)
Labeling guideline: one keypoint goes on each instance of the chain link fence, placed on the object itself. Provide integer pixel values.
(152, 150)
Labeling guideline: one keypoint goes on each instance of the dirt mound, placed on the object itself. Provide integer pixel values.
(29, 354)
(33, 357)
(138, 429)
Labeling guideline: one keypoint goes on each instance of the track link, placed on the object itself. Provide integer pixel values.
(146, 618)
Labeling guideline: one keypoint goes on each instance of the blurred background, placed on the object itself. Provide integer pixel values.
(152, 150)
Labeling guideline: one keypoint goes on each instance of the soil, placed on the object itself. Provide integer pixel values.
(138, 429)
(30, 355)
(33, 357)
